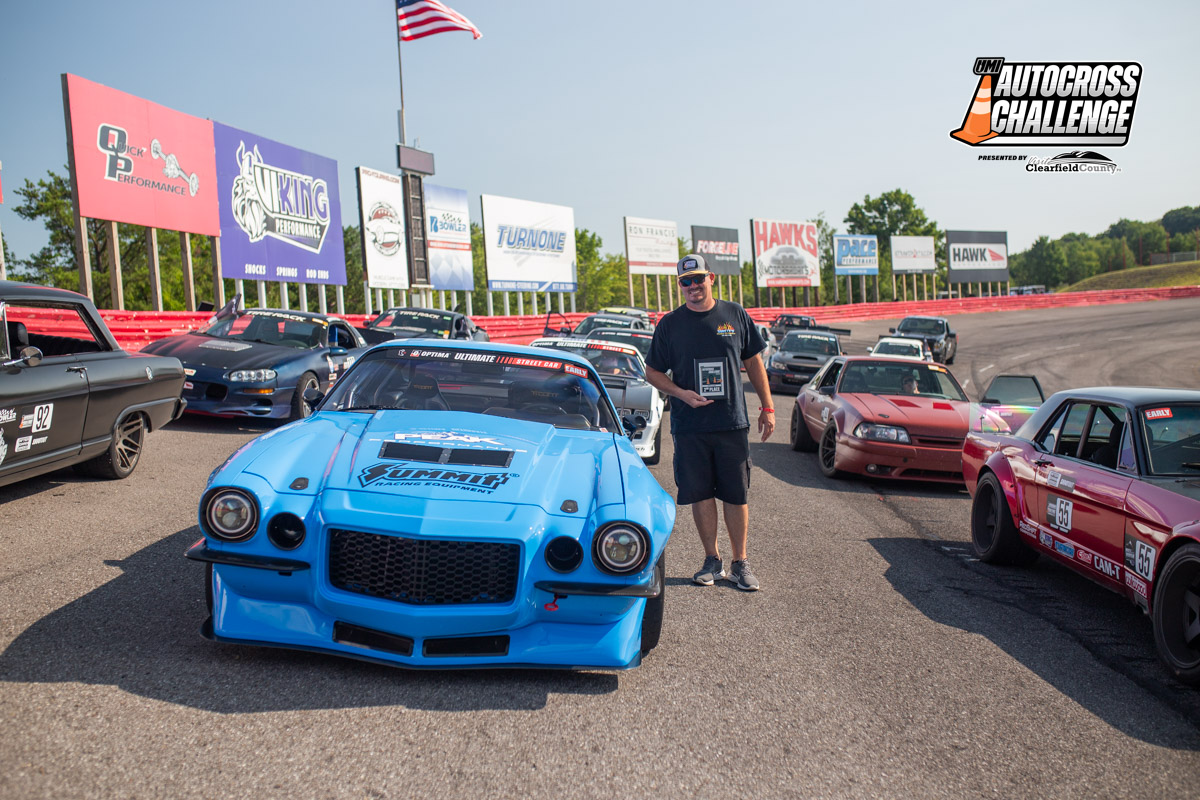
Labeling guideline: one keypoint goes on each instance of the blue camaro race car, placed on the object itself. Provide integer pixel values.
(448, 504)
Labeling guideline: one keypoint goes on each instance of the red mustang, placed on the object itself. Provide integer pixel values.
(1106, 481)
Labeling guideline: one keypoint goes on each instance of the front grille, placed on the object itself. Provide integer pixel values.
(423, 571)
(934, 441)
(215, 391)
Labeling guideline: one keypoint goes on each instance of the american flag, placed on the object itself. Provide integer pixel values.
(421, 18)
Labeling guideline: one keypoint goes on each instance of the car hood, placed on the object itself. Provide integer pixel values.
(795, 357)
(919, 415)
(196, 350)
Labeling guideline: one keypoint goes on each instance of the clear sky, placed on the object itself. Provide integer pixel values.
(697, 111)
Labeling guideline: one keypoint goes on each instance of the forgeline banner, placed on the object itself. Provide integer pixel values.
(381, 214)
(913, 254)
(720, 248)
(855, 255)
(651, 246)
(785, 253)
(448, 239)
(977, 256)
(139, 162)
(281, 218)
(530, 247)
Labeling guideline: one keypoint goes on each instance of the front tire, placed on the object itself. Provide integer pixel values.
(993, 534)
(827, 452)
(652, 616)
(300, 407)
(123, 453)
(802, 441)
(1176, 615)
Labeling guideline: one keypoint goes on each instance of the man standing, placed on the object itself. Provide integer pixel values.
(703, 344)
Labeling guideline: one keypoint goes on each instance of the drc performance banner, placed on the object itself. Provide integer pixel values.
(855, 255)
(651, 246)
(281, 218)
(785, 253)
(719, 246)
(448, 239)
(381, 214)
(529, 247)
(913, 254)
(977, 256)
(139, 162)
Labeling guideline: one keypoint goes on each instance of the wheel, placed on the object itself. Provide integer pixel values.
(654, 459)
(652, 617)
(123, 453)
(301, 408)
(827, 452)
(953, 353)
(993, 533)
(802, 440)
(1176, 614)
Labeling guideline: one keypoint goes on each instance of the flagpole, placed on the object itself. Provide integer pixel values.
(400, 67)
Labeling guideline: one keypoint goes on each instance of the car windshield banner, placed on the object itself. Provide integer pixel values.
(139, 162)
(855, 255)
(785, 253)
(281, 216)
(448, 239)
(651, 246)
(977, 256)
(913, 254)
(529, 247)
(720, 248)
(381, 214)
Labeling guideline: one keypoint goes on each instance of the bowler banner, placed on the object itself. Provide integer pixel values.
(785, 253)
(139, 162)
(719, 246)
(977, 256)
(281, 217)
(651, 246)
(855, 255)
(381, 214)
(448, 239)
(529, 247)
(913, 254)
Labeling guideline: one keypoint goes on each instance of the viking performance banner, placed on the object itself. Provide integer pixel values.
(913, 254)
(719, 246)
(855, 255)
(977, 256)
(139, 162)
(529, 247)
(651, 246)
(785, 253)
(448, 239)
(381, 214)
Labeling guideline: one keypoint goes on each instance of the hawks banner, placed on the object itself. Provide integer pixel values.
(139, 162)
(719, 246)
(785, 253)
(381, 213)
(977, 256)
(448, 239)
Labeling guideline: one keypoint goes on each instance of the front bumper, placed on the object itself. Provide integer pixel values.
(792, 379)
(898, 461)
(218, 398)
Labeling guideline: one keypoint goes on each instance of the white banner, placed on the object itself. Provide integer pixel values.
(448, 239)
(913, 254)
(530, 247)
(381, 214)
(651, 246)
(785, 253)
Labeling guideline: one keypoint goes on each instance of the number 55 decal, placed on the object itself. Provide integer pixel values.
(1058, 514)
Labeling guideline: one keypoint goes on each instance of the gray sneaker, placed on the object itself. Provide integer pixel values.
(712, 571)
(742, 577)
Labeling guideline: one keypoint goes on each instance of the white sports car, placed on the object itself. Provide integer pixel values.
(901, 347)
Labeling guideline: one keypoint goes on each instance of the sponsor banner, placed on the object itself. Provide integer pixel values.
(281, 217)
(977, 256)
(720, 248)
(381, 214)
(448, 239)
(139, 162)
(913, 254)
(529, 247)
(651, 246)
(785, 253)
(855, 255)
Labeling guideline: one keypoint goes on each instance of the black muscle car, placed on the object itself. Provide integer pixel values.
(421, 323)
(934, 332)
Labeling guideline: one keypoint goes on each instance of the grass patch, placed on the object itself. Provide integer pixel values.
(1185, 273)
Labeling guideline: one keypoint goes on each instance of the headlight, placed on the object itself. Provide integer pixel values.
(230, 514)
(251, 375)
(620, 548)
(881, 433)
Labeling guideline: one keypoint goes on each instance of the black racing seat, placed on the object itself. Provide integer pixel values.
(423, 394)
(18, 337)
(1106, 454)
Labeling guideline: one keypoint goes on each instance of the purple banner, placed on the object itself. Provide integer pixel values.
(281, 216)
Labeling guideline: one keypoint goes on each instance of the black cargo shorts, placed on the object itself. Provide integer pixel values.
(713, 464)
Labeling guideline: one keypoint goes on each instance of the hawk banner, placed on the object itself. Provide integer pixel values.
(977, 256)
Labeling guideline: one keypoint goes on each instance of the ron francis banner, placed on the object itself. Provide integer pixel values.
(529, 246)
(855, 255)
(977, 256)
(651, 246)
(381, 215)
(719, 246)
(913, 254)
(448, 239)
(785, 253)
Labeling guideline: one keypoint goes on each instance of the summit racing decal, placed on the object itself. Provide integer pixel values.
(1051, 103)
(401, 475)
(276, 202)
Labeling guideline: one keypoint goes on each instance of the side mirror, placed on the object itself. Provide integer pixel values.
(870, 349)
(891, 330)
(30, 357)
(313, 395)
(338, 351)
(633, 423)
(826, 390)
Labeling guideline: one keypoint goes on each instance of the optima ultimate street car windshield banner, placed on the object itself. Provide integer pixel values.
(651, 246)
(977, 256)
(719, 246)
(530, 247)
(913, 254)
(785, 253)
(281, 218)
(381, 213)
(855, 255)
(448, 239)
(139, 162)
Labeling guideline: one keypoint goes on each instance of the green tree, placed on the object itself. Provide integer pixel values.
(894, 213)
(1185, 219)
(1045, 263)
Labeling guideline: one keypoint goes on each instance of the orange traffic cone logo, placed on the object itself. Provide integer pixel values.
(977, 126)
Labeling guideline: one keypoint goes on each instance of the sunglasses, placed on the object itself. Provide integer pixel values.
(686, 282)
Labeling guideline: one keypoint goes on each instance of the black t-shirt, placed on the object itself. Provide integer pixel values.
(704, 351)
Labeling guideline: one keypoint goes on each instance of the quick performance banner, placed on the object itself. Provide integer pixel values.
(381, 214)
(530, 247)
(651, 246)
(977, 256)
(281, 216)
(785, 253)
(448, 239)
(913, 254)
(139, 162)
(720, 248)
(855, 255)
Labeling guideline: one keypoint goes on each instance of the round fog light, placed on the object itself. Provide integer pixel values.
(286, 531)
(563, 554)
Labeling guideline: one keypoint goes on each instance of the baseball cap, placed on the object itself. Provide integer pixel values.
(690, 264)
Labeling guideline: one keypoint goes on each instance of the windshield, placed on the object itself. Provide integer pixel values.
(897, 349)
(433, 322)
(917, 325)
(270, 327)
(591, 323)
(632, 338)
(930, 380)
(534, 388)
(807, 343)
(1172, 435)
(607, 361)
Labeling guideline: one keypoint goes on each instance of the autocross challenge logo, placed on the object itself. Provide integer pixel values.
(1051, 103)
